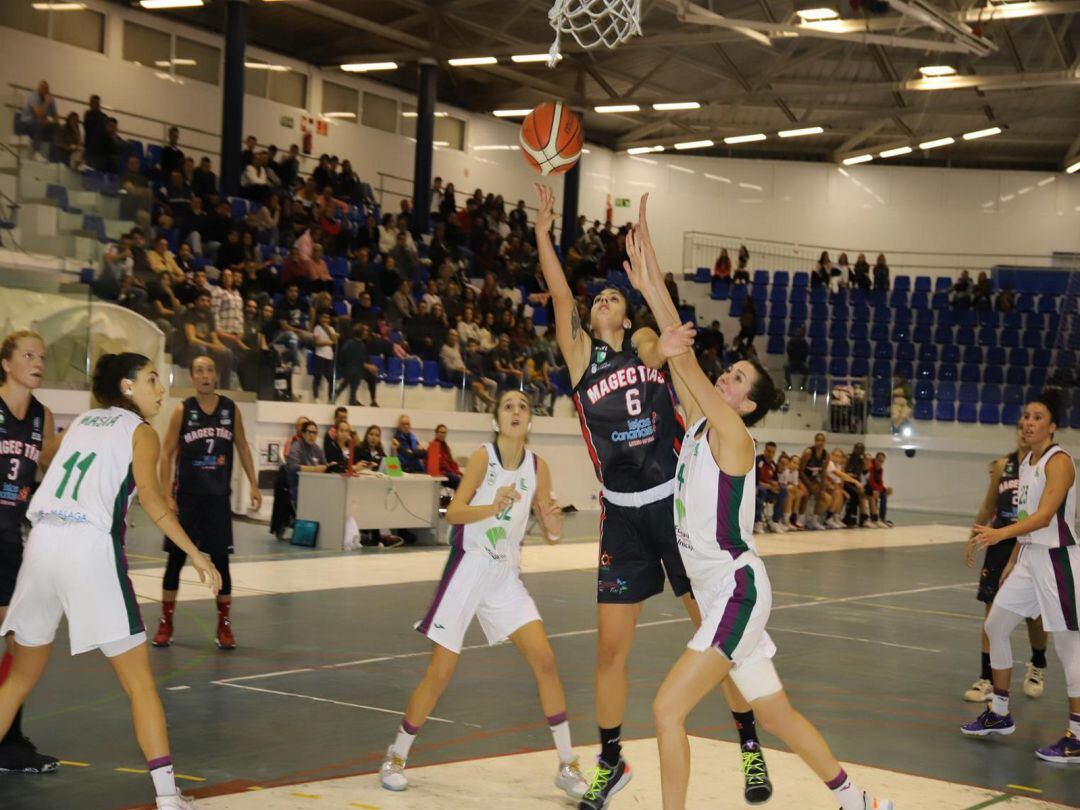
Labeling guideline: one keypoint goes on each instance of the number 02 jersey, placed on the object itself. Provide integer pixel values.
(205, 457)
(628, 419)
(90, 481)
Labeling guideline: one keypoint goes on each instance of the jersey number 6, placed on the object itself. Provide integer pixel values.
(633, 402)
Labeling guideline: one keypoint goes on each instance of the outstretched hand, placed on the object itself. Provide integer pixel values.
(545, 216)
(676, 340)
(637, 269)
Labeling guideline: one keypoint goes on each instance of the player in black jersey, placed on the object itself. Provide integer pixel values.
(27, 433)
(1000, 505)
(198, 447)
(633, 434)
(812, 475)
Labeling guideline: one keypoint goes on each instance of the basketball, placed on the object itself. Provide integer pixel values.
(551, 138)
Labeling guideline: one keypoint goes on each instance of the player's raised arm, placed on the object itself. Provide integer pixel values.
(571, 336)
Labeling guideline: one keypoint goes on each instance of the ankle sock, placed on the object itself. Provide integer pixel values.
(1074, 724)
(986, 670)
(1038, 658)
(611, 744)
(560, 733)
(999, 704)
(406, 736)
(744, 723)
(845, 791)
(161, 771)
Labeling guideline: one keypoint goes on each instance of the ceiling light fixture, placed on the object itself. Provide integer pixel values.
(263, 66)
(677, 105)
(816, 10)
(58, 6)
(365, 67)
(746, 138)
(438, 114)
(936, 143)
(851, 161)
(682, 169)
(981, 133)
(154, 5)
(473, 61)
(695, 144)
(798, 133)
(937, 71)
(643, 150)
(339, 115)
(510, 113)
(524, 58)
(897, 152)
(1073, 169)
(617, 108)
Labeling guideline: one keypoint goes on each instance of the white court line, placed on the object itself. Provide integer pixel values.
(266, 675)
(850, 638)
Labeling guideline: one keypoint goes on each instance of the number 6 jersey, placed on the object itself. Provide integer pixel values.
(90, 481)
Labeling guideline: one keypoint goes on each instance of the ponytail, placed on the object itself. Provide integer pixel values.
(764, 394)
(111, 370)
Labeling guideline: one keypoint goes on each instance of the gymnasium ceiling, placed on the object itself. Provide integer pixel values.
(861, 85)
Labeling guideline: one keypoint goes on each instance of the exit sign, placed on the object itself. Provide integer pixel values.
(622, 202)
(287, 121)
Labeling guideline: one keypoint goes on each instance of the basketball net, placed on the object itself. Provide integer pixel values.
(593, 23)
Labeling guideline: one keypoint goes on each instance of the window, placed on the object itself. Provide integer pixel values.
(145, 46)
(81, 28)
(451, 131)
(255, 78)
(407, 125)
(288, 87)
(380, 113)
(205, 58)
(338, 98)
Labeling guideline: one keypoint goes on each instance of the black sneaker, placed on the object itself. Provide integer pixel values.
(757, 788)
(20, 756)
(605, 782)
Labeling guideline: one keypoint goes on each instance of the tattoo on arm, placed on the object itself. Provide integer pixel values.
(575, 324)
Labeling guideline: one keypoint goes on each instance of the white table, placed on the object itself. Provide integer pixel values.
(373, 501)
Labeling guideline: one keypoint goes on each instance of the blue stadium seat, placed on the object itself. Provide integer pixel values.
(879, 332)
(881, 370)
(413, 372)
(921, 334)
(238, 207)
(860, 311)
(819, 295)
(1012, 320)
(838, 330)
(799, 310)
(818, 385)
(950, 353)
(987, 336)
(942, 284)
(777, 327)
(928, 353)
(902, 283)
(946, 391)
(735, 308)
(860, 349)
(901, 332)
(989, 414)
(817, 365)
(540, 316)
(761, 277)
(946, 317)
(882, 315)
(878, 298)
(924, 390)
(781, 278)
(1048, 303)
(924, 317)
(1037, 378)
(945, 411)
(859, 330)
(922, 283)
(720, 289)
(903, 315)
(967, 317)
(760, 293)
(778, 294)
(1012, 395)
(990, 318)
(881, 389)
(1010, 414)
(1032, 320)
(839, 348)
(151, 163)
(973, 355)
(1019, 357)
(702, 275)
(339, 267)
(924, 411)
(898, 298)
(943, 335)
(1033, 339)
(926, 371)
(800, 279)
(840, 312)
(838, 367)
(969, 392)
(967, 412)
(970, 373)
(904, 368)
(939, 301)
(995, 356)
(965, 335)
(994, 375)
(819, 312)
(431, 373)
(1009, 338)
(947, 371)
(395, 370)
(879, 408)
(817, 330)
(799, 294)
(920, 301)
(380, 364)
(860, 367)
(1074, 420)
(1025, 303)
(776, 344)
(905, 351)
(883, 350)
(819, 347)
(991, 394)
(794, 325)
(1040, 360)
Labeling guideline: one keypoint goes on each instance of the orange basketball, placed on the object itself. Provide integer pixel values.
(551, 138)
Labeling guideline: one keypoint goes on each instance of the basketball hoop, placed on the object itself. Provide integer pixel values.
(593, 23)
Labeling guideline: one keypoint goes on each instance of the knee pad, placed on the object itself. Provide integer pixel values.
(756, 679)
(1067, 644)
(999, 626)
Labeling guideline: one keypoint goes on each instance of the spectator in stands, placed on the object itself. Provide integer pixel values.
(822, 271)
(405, 256)
(255, 183)
(711, 364)
(371, 451)
(980, 294)
(798, 351)
(162, 261)
(740, 276)
(254, 362)
(410, 451)
(355, 366)
(387, 234)
(39, 120)
(292, 319)
(319, 279)
(788, 477)
(744, 257)
(165, 307)
(259, 282)
(140, 262)
(231, 254)
(440, 460)
(200, 336)
(401, 307)
(115, 265)
(363, 311)
(1006, 299)
(191, 285)
(840, 275)
(503, 366)
(447, 204)
(881, 273)
(322, 368)
(856, 467)
(288, 168)
(900, 411)
(266, 220)
(304, 456)
(69, 142)
(747, 325)
(204, 181)
(185, 258)
(172, 156)
(228, 307)
(769, 492)
(961, 292)
(247, 156)
(860, 274)
(135, 203)
(94, 123)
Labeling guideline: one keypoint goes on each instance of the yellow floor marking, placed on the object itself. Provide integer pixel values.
(1024, 787)
(131, 770)
(75, 764)
(255, 787)
(189, 778)
(365, 806)
(306, 795)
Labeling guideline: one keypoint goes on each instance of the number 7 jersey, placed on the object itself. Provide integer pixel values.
(90, 481)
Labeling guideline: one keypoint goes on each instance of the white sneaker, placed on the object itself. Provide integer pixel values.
(1034, 680)
(870, 803)
(570, 780)
(177, 802)
(759, 527)
(392, 772)
(777, 527)
(981, 691)
(814, 523)
(834, 523)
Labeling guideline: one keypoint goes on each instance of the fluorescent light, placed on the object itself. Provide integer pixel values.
(473, 61)
(796, 133)
(817, 14)
(982, 133)
(935, 144)
(851, 161)
(160, 4)
(681, 169)
(58, 6)
(523, 58)
(510, 113)
(364, 67)
(718, 178)
(694, 144)
(1046, 181)
(263, 66)
(440, 143)
(643, 150)
(677, 105)
(439, 114)
(339, 115)
(936, 71)
(1026, 190)
(617, 108)
(750, 187)
(900, 150)
(1073, 169)
(745, 138)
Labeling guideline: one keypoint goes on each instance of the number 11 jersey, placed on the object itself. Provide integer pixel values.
(90, 481)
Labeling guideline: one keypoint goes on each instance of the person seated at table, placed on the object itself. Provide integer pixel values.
(305, 455)
(440, 461)
(369, 456)
(339, 451)
(407, 447)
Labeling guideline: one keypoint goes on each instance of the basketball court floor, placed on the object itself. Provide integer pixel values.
(878, 637)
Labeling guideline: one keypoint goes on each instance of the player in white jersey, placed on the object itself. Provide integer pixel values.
(75, 563)
(488, 517)
(1042, 576)
(714, 523)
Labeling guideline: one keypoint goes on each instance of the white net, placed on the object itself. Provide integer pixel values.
(593, 23)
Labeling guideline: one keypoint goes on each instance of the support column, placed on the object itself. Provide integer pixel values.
(571, 188)
(232, 97)
(425, 137)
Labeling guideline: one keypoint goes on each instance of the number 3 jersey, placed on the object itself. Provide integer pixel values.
(500, 537)
(90, 481)
(205, 456)
(628, 419)
(20, 449)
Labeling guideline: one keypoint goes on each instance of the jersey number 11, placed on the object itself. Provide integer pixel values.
(71, 464)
